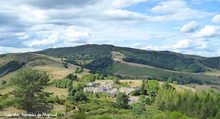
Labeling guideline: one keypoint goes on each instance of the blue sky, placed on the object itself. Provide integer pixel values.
(189, 27)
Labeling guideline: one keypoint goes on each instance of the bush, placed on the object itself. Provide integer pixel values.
(105, 117)
(50, 100)
(3, 82)
(88, 106)
(59, 114)
(97, 112)
(1, 107)
(4, 97)
(135, 92)
(56, 99)
(141, 98)
(62, 101)
(80, 115)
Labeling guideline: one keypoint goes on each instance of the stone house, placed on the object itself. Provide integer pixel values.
(89, 89)
(113, 92)
(125, 90)
(89, 84)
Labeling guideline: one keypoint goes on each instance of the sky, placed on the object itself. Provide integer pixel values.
(183, 26)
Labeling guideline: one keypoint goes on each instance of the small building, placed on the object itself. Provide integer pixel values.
(125, 90)
(110, 85)
(113, 93)
(89, 89)
(98, 90)
(103, 83)
(89, 84)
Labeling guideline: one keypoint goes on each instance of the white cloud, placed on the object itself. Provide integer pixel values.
(176, 10)
(169, 7)
(216, 19)
(185, 44)
(71, 35)
(190, 27)
(124, 3)
(208, 32)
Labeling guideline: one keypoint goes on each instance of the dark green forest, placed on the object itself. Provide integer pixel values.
(10, 67)
(98, 57)
(212, 62)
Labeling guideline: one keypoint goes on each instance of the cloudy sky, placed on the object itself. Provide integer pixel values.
(189, 27)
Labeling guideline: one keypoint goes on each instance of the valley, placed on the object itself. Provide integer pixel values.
(112, 66)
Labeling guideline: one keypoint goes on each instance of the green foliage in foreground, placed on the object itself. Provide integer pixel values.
(104, 110)
(28, 91)
(193, 105)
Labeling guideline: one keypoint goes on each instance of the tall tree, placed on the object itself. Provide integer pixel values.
(122, 100)
(116, 80)
(141, 90)
(210, 90)
(68, 107)
(91, 78)
(170, 80)
(152, 87)
(28, 91)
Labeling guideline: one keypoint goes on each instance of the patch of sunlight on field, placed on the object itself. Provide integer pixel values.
(60, 73)
(57, 91)
(216, 88)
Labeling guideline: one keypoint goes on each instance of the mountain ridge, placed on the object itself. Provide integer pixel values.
(84, 55)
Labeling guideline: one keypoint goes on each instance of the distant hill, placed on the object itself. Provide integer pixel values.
(98, 57)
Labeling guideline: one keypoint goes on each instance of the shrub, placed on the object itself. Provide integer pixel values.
(80, 115)
(97, 112)
(135, 92)
(50, 100)
(59, 114)
(56, 99)
(1, 107)
(62, 101)
(3, 82)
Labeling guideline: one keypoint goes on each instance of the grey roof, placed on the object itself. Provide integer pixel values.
(103, 82)
(98, 90)
(124, 89)
(90, 83)
(114, 90)
(89, 88)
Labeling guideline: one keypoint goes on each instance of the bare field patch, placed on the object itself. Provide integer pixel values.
(214, 73)
(57, 91)
(58, 108)
(6, 90)
(133, 82)
(205, 87)
(58, 72)
(11, 110)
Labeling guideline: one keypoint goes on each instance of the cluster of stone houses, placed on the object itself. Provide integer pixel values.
(109, 88)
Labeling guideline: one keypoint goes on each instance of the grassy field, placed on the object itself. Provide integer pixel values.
(205, 87)
(143, 71)
(60, 92)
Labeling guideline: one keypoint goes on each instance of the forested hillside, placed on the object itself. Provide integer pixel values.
(10, 67)
(161, 59)
(213, 62)
(98, 57)
(93, 57)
